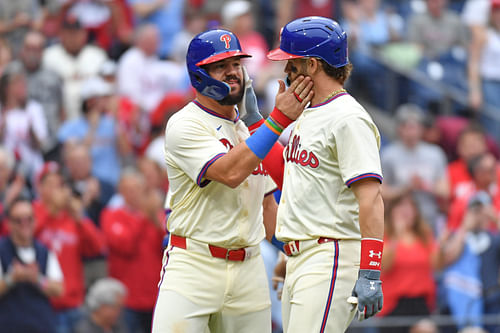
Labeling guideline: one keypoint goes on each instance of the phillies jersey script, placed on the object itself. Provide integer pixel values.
(332, 145)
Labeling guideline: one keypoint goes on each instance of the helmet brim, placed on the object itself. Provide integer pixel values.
(222, 56)
(278, 54)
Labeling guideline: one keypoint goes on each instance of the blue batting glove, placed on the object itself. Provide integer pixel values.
(368, 290)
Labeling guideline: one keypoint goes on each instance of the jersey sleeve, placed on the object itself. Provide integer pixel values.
(193, 148)
(357, 144)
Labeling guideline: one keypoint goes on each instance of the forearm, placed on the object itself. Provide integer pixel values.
(453, 248)
(270, 209)
(235, 166)
(371, 222)
(371, 216)
(475, 47)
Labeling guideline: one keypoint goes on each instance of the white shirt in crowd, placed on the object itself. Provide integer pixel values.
(146, 80)
(18, 124)
(28, 256)
(73, 70)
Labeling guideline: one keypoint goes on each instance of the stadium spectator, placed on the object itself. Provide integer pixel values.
(484, 171)
(23, 124)
(411, 164)
(17, 18)
(159, 119)
(12, 184)
(195, 22)
(44, 86)
(97, 129)
(437, 30)
(95, 193)
(369, 28)
(105, 300)
(155, 177)
(410, 257)
(133, 122)
(134, 232)
(237, 16)
(166, 15)
(63, 228)
(288, 10)
(471, 143)
(442, 38)
(74, 61)
(471, 280)
(142, 76)
(484, 72)
(105, 21)
(29, 275)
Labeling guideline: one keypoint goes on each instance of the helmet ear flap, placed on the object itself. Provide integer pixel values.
(207, 85)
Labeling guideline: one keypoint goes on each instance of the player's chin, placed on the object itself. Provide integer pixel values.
(235, 96)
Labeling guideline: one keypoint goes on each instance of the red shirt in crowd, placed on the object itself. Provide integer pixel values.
(135, 254)
(70, 241)
(411, 275)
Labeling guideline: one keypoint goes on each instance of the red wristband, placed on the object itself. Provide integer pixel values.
(254, 127)
(280, 117)
(371, 253)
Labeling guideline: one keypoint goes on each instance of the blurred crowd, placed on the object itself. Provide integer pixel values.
(87, 87)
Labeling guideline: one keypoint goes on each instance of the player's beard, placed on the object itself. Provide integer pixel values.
(296, 71)
(233, 99)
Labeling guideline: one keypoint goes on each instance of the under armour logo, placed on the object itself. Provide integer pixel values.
(226, 39)
(372, 285)
(375, 254)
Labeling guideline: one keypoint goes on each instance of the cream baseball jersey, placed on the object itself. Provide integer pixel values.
(205, 210)
(332, 145)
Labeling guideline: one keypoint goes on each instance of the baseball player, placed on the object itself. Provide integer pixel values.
(331, 212)
(213, 277)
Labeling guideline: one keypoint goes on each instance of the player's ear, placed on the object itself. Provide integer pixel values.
(313, 65)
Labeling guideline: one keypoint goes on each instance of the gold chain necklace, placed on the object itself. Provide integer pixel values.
(333, 94)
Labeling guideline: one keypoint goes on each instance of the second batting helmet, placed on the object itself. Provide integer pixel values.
(312, 36)
(208, 47)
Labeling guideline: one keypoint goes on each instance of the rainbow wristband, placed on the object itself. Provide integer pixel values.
(264, 138)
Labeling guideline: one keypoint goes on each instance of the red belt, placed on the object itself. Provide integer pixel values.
(294, 248)
(215, 251)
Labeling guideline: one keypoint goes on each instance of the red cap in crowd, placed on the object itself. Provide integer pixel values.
(495, 3)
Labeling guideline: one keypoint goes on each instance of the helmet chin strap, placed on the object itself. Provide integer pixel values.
(207, 85)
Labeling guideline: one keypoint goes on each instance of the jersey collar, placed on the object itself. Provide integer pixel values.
(329, 100)
(213, 113)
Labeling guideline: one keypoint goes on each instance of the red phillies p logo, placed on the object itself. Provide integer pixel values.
(226, 39)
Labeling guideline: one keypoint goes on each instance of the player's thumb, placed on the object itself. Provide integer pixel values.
(282, 86)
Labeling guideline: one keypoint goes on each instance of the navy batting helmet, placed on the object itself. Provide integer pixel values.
(313, 36)
(208, 47)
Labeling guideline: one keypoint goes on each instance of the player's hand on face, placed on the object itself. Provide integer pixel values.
(293, 100)
(368, 290)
